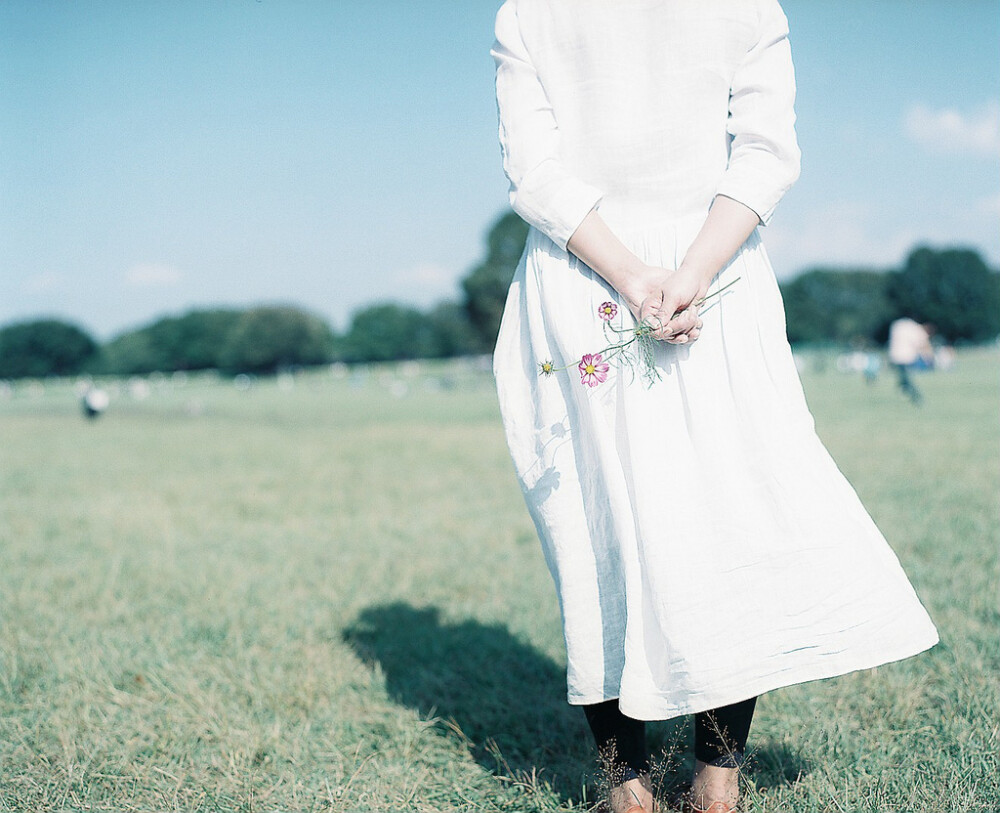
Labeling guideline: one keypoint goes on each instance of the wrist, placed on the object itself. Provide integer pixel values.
(632, 279)
(701, 276)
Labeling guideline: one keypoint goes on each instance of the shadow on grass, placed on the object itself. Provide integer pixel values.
(492, 686)
(496, 689)
(775, 765)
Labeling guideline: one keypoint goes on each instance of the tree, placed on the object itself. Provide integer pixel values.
(389, 332)
(43, 347)
(953, 289)
(192, 341)
(824, 305)
(271, 338)
(486, 285)
(453, 333)
(129, 354)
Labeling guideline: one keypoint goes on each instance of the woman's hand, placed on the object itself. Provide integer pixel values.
(654, 295)
(662, 298)
(666, 300)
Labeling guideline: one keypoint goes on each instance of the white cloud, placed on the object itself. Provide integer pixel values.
(430, 274)
(950, 130)
(152, 275)
(43, 283)
(422, 284)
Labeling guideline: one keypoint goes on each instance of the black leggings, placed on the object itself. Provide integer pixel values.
(720, 737)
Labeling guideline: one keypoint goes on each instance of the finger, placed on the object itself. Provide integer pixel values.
(659, 323)
(656, 323)
(665, 330)
(685, 338)
(652, 304)
(694, 332)
(698, 325)
(683, 322)
(664, 323)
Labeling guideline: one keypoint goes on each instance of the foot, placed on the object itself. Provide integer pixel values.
(634, 796)
(713, 789)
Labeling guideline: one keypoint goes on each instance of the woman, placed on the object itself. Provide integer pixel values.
(705, 548)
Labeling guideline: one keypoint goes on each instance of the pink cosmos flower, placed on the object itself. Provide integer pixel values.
(593, 370)
(607, 311)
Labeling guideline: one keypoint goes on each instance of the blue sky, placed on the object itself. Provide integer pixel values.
(158, 156)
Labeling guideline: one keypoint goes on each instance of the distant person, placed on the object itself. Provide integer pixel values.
(705, 548)
(910, 349)
(93, 402)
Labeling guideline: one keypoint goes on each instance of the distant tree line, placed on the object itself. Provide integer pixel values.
(952, 288)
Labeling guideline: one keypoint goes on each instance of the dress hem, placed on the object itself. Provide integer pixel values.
(651, 710)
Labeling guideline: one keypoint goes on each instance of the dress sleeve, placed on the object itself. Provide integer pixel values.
(542, 190)
(764, 155)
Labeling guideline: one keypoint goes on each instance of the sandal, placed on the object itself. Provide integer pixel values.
(688, 806)
(633, 809)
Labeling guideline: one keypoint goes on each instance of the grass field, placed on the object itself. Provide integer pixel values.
(325, 594)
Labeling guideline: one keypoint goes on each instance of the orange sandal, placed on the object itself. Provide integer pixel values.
(687, 806)
(641, 809)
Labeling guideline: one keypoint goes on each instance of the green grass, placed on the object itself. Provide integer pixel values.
(331, 598)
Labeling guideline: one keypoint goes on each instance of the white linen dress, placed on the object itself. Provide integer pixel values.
(704, 546)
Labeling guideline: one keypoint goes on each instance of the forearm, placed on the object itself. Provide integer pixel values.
(728, 225)
(595, 244)
(648, 291)
(662, 295)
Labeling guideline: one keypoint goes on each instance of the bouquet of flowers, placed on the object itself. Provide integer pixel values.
(629, 347)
